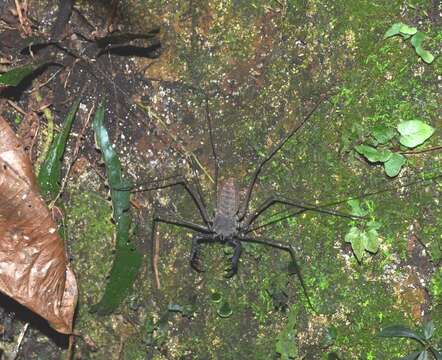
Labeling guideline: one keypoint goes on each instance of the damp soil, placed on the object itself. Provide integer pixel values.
(252, 70)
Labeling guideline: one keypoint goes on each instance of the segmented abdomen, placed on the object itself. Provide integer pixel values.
(227, 200)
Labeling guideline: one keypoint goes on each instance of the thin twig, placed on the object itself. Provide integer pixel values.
(19, 14)
(436, 148)
(46, 82)
(156, 252)
(16, 107)
(20, 341)
(156, 258)
(71, 347)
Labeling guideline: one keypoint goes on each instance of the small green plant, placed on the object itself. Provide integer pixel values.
(416, 39)
(16, 75)
(407, 133)
(224, 310)
(363, 236)
(286, 345)
(423, 337)
(436, 285)
(156, 332)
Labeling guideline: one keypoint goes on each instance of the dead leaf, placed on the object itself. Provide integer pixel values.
(34, 269)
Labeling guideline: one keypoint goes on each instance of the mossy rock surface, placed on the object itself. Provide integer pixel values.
(260, 66)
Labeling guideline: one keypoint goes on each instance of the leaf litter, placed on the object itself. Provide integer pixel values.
(34, 269)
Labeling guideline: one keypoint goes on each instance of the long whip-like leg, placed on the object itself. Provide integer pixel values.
(164, 218)
(275, 221)
(273, 200)
(243, 211)
(199, 189)
(181, 182)
(212, 144)
(342, 201)
(291, 251)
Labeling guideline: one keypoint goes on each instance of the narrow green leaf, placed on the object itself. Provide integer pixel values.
(286, 346)
(423, 355)
(429, 330)
(394, 165)
(128, 259)
(425, 55)
(15, 76)
(395, 29)
(49, 177)
(372, 154)
(400, 331)
(407, 30)
(382, 133)
(436, 353)
(414, 132)
(412, 356)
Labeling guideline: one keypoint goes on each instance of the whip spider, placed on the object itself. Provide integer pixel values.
(233, 221)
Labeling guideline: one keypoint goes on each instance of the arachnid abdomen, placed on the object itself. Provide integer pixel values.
(225, 222)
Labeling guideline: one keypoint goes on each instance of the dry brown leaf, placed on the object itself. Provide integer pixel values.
(34, 269)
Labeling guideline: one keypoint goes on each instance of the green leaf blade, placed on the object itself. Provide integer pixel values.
(417, 39)
(372, 241)
(412, 356)
(356, 208)
(394, 165)
(425, 55)
(49, 177)
(128, 259)
(436, 353)
(429, 330)
(423, 355)
(382, 133)
(372, 154)
(15, 76)
(414, 133)
(400, 331)
(394, 29)
(407, 30)
(356, 238)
